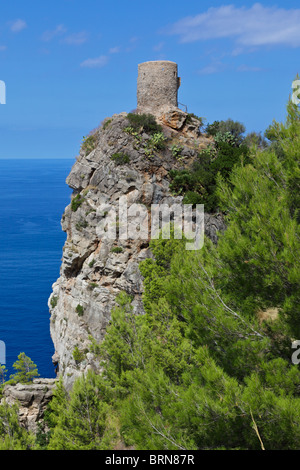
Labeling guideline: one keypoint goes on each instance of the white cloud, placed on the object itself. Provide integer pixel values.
(114, 50)
(211, 69)
(248, 68)
(17, 25)
(97, 62)
(76, 39)
(255, 26)
(158, 47)
(58, 31)
(3, 48)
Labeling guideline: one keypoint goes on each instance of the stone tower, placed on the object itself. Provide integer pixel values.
(157, 86)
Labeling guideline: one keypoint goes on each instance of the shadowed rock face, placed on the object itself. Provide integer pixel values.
(94, 269)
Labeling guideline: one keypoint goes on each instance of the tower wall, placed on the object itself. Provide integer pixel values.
(157, 86)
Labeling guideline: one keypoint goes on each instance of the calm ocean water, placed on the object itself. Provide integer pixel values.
(33, 197)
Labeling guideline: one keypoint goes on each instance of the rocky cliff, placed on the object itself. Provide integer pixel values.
(120, 163)
(32, 400)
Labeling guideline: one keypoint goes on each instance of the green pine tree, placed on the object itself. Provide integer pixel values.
(83, 420)
(26, 369)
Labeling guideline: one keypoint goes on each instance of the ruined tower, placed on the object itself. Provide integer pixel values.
(157, 86)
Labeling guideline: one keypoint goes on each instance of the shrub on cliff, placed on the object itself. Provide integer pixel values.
(76, 202)
(120, 158)
(201, 178)
(146, 122)
(90, 142)
(235, 128)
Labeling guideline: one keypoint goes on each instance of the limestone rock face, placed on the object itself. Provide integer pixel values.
(95, 267)
(174, 117)
(32, 400)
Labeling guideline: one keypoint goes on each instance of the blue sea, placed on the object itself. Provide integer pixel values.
(33, 197)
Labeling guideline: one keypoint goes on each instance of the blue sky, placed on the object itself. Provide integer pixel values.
(68, 64)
